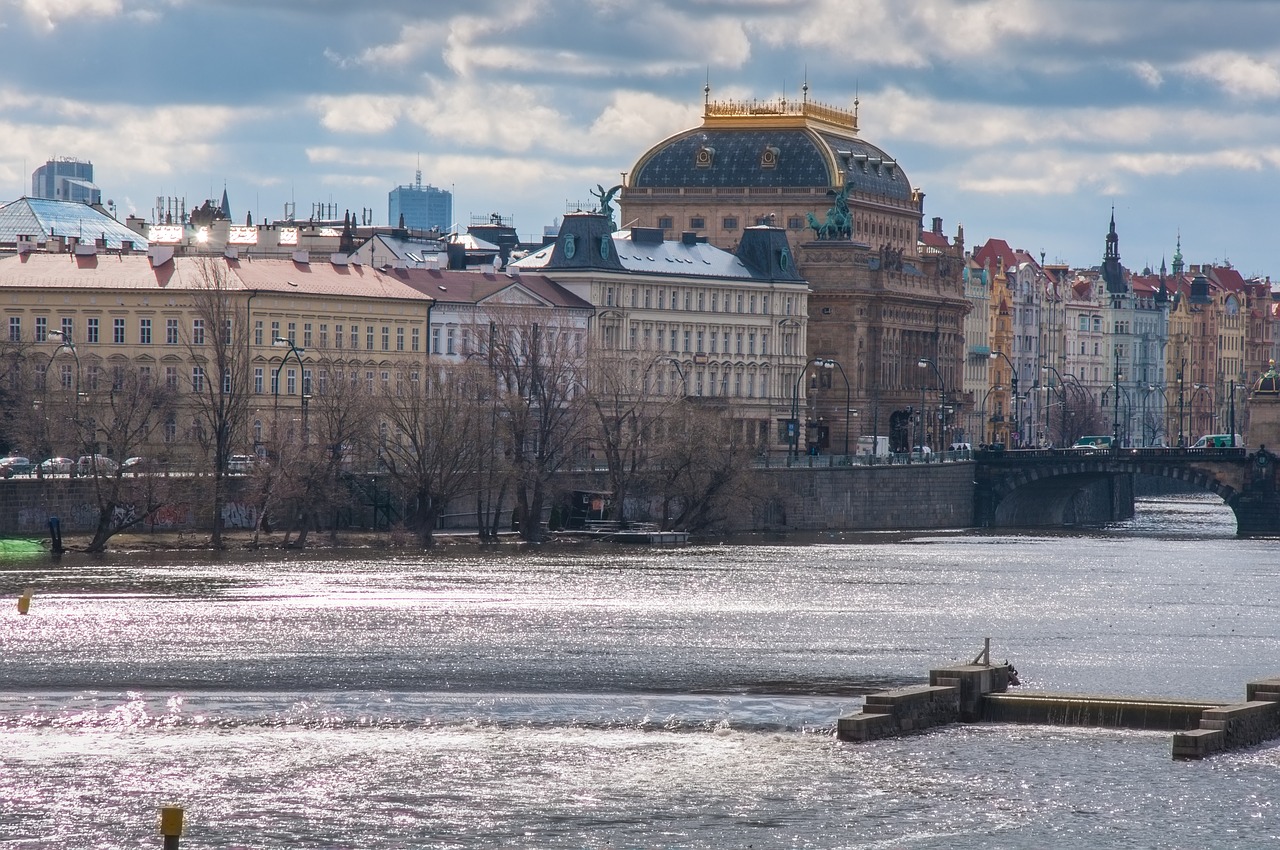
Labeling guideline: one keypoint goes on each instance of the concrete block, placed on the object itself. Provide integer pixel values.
(1198, 743)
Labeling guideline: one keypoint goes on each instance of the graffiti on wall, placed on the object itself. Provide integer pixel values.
(239, 515)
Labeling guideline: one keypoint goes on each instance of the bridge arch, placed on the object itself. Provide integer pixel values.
(1056, 488)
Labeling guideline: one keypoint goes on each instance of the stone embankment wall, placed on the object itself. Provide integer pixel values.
(872, 498)
(26, 504)
(848, 498)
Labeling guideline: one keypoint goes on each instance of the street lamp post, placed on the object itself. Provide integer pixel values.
(942, 396)
(281, 342)
(1196, 390)
(983, 408)
(795, 408)
(66, 343)
(829, 363)
(1062, 388)
(1013, 382)
(1182, 441)
(1115, 410)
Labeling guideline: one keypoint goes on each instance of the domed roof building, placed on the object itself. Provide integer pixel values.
(887, 295)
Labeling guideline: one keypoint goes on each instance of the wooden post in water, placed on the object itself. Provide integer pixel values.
(171, 826)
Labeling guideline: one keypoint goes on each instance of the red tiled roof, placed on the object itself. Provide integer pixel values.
(994, 250)
(135, 272)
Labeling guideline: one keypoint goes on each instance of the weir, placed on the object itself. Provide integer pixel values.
(978, 692)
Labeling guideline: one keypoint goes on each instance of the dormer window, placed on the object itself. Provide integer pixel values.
(706, 156)
(769, 157)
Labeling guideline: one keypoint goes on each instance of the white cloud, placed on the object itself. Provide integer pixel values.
(1148, 73)
(47, 14)
(361, 113)
(119, 139)
(1239, 75)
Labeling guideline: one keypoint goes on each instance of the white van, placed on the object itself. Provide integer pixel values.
(1219, 441)
(877, 446)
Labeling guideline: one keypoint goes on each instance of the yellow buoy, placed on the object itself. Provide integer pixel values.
(24, 601)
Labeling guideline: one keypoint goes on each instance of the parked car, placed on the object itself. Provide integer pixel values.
(14, 465)
(96, 465)
(56, 466)
(1101, 443)
(135, 465)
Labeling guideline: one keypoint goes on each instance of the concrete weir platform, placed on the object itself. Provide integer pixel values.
(971, 693)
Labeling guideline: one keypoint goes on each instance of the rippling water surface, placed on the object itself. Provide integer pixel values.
(615, 697)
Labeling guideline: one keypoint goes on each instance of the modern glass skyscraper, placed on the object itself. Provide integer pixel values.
(66, 179)
(423, 207)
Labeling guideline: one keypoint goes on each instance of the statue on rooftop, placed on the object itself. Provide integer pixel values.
(606, 196)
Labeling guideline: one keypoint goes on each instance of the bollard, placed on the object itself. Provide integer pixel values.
(171, 826)
(24, 601)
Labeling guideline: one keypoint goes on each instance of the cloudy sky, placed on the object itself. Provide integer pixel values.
(1025, 120)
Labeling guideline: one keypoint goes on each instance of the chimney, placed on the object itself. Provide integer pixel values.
(159, 255)
(301, 257)
(937, 224)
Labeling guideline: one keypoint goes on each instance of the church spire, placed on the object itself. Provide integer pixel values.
(1177, 257)
(1112, 271)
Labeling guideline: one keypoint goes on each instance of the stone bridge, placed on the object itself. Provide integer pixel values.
(1068, 486)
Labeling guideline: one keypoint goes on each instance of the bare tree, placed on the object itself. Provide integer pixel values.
(218, 345)
(437, 420)
(702, 471)
(122, 422)
(542, 406)
(621, 398)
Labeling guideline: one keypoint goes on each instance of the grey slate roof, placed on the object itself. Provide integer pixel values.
(643, 251)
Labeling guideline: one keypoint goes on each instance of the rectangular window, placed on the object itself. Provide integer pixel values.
(355, 337)
(171, 377)
(368, 382)
(226, 331)
(257, 380)
(68, 376)
(226, 381)
(452, 340)
(701, 340)
(674, 345)
(306, 335)
(416, 340)
(117, 331)
(68, 329)
(170, 331)
(306, 382)
(324, 381)
(95, 376)
(42, 328)
(275, 332)
(435, 340)
(688, 340)
(15, 329)
(144, 331)
(324, 337)
(697, 223)
(171, 428)
(368, 337)
(291, 381)
(144, 375)
(739, 337)
(399, 339)
(751, 343)
(292, 336)
(386, 338)
(197, 331)
(665, 222)
(275, 381)
(764, 343)
(197, 379)
(257, 332)
(337, 336)
(674, 302)
(730, 222)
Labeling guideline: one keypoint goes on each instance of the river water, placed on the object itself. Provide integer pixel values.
(605, 697)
